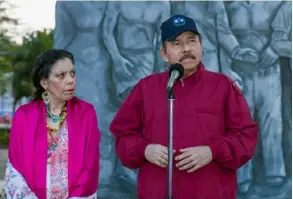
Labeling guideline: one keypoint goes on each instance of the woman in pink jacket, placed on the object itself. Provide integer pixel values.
(54, 140)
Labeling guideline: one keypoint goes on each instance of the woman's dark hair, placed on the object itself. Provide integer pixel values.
(43, 66)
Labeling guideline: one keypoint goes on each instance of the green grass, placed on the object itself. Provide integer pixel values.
(4, 137)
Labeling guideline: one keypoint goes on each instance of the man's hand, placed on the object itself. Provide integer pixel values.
(268, 56)
(194, 158)
(157, 154)
(246, 55)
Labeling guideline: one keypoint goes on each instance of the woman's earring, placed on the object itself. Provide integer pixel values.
(45, 97)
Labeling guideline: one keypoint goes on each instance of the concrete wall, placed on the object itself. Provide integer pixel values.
(117, 43)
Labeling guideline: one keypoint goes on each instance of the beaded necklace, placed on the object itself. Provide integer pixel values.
(53, 141)
(56, 118)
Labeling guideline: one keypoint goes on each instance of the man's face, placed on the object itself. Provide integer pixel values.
(186, 49)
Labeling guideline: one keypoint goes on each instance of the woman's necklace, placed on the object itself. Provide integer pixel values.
(56, 118)
(53, 138)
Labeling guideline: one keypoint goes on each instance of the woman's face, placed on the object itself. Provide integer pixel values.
(61, 81)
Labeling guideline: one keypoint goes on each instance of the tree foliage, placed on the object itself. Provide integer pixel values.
(24, 58)
(18, 59)
(6, 18)
(6, 45)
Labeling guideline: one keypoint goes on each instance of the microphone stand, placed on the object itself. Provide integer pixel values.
(171, 98)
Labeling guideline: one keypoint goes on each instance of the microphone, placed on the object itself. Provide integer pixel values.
(176, 72)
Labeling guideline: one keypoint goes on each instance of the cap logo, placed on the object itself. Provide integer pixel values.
(179, 21)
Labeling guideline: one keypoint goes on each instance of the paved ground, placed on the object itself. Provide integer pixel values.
(3, 159)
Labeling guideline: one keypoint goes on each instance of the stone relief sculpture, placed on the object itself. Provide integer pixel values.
(283, 47)
(131, 36)
(251, 22)
(78, 29)
(117, 43)
(212, 22)
(282, 22)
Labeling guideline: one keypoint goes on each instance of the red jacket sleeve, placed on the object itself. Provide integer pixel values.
(127, 129)
(237, 145)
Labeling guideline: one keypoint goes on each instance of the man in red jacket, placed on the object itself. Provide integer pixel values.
(214, 133)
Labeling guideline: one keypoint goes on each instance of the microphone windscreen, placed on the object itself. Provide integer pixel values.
(177, 67)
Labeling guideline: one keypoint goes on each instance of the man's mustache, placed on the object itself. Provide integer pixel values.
(187, 56)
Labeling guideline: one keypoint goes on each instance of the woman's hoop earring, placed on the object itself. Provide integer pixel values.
(45, 97)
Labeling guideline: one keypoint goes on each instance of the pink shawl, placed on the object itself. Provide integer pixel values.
(28, 147)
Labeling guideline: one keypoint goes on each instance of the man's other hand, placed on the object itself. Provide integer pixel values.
(193, 158)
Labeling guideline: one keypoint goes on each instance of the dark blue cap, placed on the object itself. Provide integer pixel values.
(176, 25)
